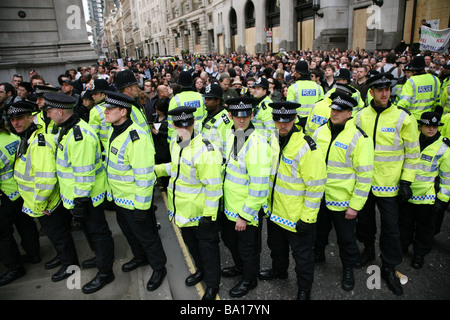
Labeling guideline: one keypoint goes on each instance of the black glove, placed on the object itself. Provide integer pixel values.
(140, 216)
(404, 192)
(80, 208)
(303, 227)
(438, 207)
(204, 222)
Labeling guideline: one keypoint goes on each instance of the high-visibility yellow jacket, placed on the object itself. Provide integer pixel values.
(420, 93)
(79, 166)
(246, 181)
(396, 141)
(434, 163)
(445, 129)
(445, 95)
(349, 158)
(297, 181)
(216, 128)
(195, 185)
(262, 117)
(305, 92)
(130, 160)
(99, 124)
(8, 147)
(35, 173)
(48, 126)
(189, 99)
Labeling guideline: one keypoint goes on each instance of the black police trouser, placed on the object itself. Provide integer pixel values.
(203, 244)
(243, 246)
(57, 228)
(11, 215)
(143, 238)
(279, 240)
(345, 234)
(99, 234)
(415, 223)
(366, 229)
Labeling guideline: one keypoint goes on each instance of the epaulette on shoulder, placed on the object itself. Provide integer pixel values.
(134, 135)
(404, 109)
(362, 132)
(41, 140)
(446, 141)
(311, 142)
(77, 133)
(208, 144)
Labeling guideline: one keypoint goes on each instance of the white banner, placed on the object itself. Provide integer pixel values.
(434, 39)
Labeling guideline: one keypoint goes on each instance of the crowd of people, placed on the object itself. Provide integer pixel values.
(305, 140)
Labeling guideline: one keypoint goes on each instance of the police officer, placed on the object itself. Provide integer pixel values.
(194, 191)
(445, 88)
(97, 113)
(395, 136)
(82, 181)
(42, 119)
(430, 190)
(187, 97)
(262, 116)
(348, 153)
(11, 215)
(320, 113)
(216, 124)
(35, 173)
(246, 189)
(304, 91)
(297, 181)
(131, 177)
(421, 92)
(126, 82)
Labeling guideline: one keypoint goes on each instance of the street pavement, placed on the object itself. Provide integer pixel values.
(432, 282)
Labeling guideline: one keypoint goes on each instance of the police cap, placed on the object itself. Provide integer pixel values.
(118, 99)
(182, 116)
(58, 100)
(342, 101)
(240, 107)
(284, 111)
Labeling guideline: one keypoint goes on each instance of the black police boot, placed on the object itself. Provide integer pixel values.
(61, 274)
(304, 294)
(417, 261)
(243, 287)
(195, 278)
(133, 264)
(156, 279)
(53, 263)
(270, 275)
(12, 275)
(393, 283)
(210, 293)
(366, 256)
(231, 271)
(100, 280)
(348, 280)
(89, 263)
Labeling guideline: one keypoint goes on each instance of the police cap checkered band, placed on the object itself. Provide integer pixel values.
(240, 106)
(59, 100)
(341, 102)
(20, 108)
(284, 107)
(118, 99)
(381, 80)
(40, 90)
(117, 103)
(183, 116)
(241, 103)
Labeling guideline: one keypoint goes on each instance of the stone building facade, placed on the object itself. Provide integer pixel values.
(172, 27)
